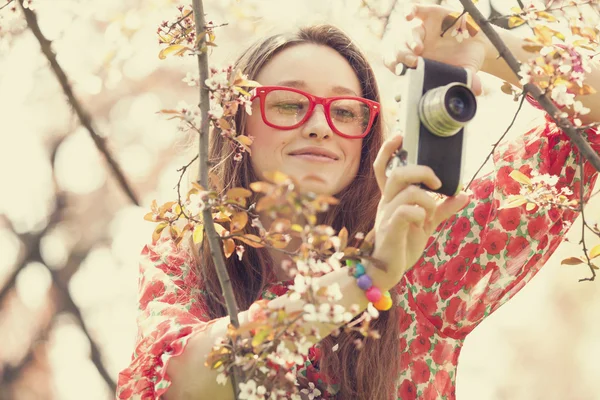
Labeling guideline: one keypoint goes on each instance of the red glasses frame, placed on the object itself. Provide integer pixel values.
(262, 91)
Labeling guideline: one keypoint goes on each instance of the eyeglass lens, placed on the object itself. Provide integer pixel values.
(285, 108)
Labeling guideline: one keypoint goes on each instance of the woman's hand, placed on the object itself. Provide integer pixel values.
(425, 40)
(406, 216)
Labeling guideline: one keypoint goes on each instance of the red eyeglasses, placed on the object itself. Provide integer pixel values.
(287, 108)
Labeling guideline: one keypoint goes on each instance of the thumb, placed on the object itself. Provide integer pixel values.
(476, 85)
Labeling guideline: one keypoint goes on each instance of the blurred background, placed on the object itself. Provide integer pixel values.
(70, 237)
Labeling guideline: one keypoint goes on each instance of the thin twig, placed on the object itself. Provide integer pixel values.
(562, 122)
(84, 117)
(9, 1)
(584, 223)
(209, 227)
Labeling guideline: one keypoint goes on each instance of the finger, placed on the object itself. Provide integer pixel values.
(415, 196)
(424, 11)
(385, 153)
(418, 38)
(449, 207)
(409, 214)
(401, 178)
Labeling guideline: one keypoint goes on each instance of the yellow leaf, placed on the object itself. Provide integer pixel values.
(224, 124)
(242, 91)
(198, 234)
(277, 240)
(297, 228)
(515, 21)
(513, 201)
(220, 229)
(546, 15)
(238, 192)
(150, 217)
(171, 49)
(228, 247)
(261, 187)
(572, 261)
(260, 337)
(251, 240)
(520, 177)
(533, 48)
(158, 230)
(276, 177)
(595, 252)
(243, 139)
(530, 206)
(238, 221)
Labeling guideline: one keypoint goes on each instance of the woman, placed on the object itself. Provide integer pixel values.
(484, 256)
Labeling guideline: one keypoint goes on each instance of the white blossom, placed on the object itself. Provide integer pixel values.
(218, 81)
(216, 111)
(579, 108)
(373, 312)
(525, 74)
(561, 97)
(312, 391)
(333, 292)
(191, 79)
(248, 390)
(222, 379)
(196, 205)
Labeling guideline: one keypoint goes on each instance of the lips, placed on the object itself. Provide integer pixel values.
(316, 152)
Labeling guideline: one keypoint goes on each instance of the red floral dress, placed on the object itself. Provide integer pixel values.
(483, 258)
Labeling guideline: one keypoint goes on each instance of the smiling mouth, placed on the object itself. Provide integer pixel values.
(314, 157)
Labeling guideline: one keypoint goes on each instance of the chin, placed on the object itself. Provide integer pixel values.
(316, 184)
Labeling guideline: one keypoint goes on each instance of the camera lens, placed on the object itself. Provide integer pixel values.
(446, 109)
(460, 103)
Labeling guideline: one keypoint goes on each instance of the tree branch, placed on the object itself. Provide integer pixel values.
(204, 165)
(82, 114)
(563, 123)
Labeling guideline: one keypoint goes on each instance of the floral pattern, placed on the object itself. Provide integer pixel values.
(483, 257)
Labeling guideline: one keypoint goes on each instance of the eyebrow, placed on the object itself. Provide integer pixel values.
(298, 84)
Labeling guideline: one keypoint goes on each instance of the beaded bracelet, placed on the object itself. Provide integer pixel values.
(381, 301)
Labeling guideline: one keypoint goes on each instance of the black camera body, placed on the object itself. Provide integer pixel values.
(435, 106)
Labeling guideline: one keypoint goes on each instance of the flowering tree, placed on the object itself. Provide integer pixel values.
(260, 354)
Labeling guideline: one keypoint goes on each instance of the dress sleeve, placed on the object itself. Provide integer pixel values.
(170, 311)
(485, 255)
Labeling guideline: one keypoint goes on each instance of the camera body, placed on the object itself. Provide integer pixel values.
(435, 106)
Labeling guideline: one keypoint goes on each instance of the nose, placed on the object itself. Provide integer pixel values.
(317, 126)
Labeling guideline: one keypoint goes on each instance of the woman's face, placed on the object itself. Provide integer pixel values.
(320, 71)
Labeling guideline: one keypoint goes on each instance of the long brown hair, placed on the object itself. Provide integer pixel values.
(370, 373)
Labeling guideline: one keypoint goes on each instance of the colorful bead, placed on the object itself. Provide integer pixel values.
(359, 270)
(364, 282)
(384, 304)
(350, 263)
(387, 294)
(373, 294)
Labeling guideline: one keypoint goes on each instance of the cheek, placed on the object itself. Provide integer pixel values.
(353, 152)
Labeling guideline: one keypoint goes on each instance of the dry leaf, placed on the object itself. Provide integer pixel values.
(238, 221)
(251, 240)
(572, 261)
(228, 247)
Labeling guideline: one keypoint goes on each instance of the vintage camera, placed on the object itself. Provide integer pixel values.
(436, 104)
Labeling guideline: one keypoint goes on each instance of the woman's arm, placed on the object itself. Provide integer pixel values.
(175, 334)
(191, 379)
